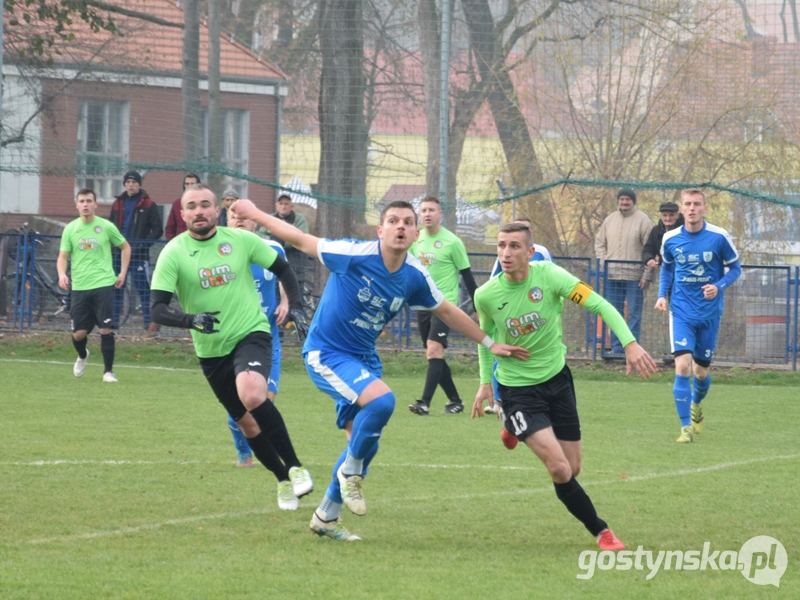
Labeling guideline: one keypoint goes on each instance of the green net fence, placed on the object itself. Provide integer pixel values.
(549, 106)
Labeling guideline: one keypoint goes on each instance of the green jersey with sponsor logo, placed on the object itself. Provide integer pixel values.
(444, 255)
(528, 314)
(214, 275)
(89, 245)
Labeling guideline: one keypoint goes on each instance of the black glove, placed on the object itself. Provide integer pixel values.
(299, 323)
(204, 322)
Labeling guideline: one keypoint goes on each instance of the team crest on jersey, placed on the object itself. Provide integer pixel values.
(98, 229)
(215, 276)
(680, 258)
(225, 249)
(527, 323)
(535, 294)
(707, 256)
(437, 244)
(396, 304)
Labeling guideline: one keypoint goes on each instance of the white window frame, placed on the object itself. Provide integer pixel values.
(109, 183)
(236, 146)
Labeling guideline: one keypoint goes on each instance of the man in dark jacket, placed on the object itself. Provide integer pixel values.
(670, 219)
(175, 222)
(139, 218)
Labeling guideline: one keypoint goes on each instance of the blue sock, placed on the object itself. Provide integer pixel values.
(242, 447)
(334, 492)
(701, 388)
(682, 392)
(368, 425)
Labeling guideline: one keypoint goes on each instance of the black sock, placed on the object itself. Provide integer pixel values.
(270, 421)
(265, 452)
(107, 348)
(80, 346)
(435, 366)
(447, 383)
(580, 505)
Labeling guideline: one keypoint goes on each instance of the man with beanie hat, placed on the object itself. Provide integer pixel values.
(229, 196)
(175, 223)
(621, 239)
(139, 220)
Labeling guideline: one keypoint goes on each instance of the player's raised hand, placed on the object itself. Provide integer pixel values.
(637, 358)
(512, 351)
(244, 209)
(484, 393)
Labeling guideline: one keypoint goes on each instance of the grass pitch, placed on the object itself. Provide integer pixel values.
(129, 491)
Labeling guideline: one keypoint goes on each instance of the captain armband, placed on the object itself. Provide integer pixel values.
(580, 293)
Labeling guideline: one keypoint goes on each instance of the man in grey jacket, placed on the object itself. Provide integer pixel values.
(622, 237)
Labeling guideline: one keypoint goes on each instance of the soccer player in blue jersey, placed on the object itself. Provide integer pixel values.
(369, 283)
(700, 261)
(269, 292)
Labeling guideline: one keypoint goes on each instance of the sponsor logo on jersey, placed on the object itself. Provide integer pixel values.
(225, 249)
(215, 276)
(502, 306)
(535, 294)
(90, 244)
(427, 258)
(527, 323)
(193, 253)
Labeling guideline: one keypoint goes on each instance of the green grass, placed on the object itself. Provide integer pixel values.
(129, 491)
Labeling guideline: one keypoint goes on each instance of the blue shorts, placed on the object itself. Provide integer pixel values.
(343, 377)
(697, 337)
(274, 378)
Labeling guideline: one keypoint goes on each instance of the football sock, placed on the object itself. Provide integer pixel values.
(368, 425)
(242, 447)
(329, 510)
(682, 391)
(352, 465)
(107, 348)
(80, 346)
(334, 491)
(580, 505)
(265, 452)
(435, 366)
(701, 388)
(270, 421)
(447, 383)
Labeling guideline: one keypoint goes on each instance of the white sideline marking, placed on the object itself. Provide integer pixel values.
(123, 366)
(194, 519)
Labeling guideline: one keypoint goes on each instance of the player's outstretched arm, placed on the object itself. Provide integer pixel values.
(457, 319)
(305, 242)
(484, 393)
(637, 358)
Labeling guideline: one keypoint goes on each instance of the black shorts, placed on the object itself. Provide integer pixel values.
(252, 353)
(432, 328)
(531, 408)
(92, 307)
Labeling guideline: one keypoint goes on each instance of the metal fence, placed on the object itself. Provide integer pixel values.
(759, 324)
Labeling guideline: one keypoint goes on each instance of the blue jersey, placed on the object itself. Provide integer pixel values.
(362, 296)
(539, 253)
(267, 285)
(697, 259)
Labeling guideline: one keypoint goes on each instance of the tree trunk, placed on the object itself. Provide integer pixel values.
(190, 83)
(523, 163)
(430, 44)
(343, 135)
(215, 123)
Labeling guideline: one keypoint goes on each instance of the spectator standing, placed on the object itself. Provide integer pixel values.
(139, 219)
(284, 210)
(87, 242)
(622, 237)
(229, 196)
(695, 257)
(175, 224)
(670, 219)
(444, 255)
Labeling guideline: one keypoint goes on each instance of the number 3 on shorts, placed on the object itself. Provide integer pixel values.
(518, 422)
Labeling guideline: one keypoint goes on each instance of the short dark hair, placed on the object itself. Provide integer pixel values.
(517, 228)
(196, 187)
(693, 192)
(398, 204)
(526, 219)
(86, 192)
(430, 199)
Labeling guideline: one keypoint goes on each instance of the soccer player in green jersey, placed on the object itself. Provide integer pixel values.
(87, 242)
(445, 257)
(523, 306)
(209, 268)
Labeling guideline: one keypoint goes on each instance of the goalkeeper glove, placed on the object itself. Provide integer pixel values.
(299, 323)
(204, 322)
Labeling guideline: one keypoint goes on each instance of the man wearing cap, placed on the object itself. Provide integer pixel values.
(284, 210)
(139, 219)
(622, 237)
(670, 219)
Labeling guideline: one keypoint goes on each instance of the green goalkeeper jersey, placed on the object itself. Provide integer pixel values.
(444, 255)
(528, 314)
(89, 246)
(214, 275)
